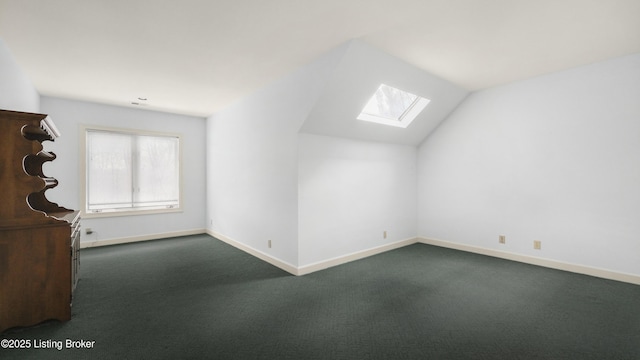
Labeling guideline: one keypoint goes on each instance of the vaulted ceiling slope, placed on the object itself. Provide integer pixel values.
(198, 56)
(353, 81)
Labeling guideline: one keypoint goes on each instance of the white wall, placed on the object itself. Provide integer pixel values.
(68, 115)
(252, 162)
(554, 158)
(16, 90)
(350, 192)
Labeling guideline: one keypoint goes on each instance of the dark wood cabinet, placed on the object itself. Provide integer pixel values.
(39, 240)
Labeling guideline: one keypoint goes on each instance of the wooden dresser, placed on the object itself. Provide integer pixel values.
(39, 240)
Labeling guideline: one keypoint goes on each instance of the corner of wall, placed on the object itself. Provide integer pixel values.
(16, 90)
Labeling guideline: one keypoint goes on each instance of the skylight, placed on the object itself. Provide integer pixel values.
(394, 107)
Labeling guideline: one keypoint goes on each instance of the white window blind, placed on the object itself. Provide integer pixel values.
(131, 171)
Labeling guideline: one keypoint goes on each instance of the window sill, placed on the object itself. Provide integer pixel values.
(105, 213)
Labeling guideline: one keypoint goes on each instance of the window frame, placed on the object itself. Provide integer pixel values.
(83, 160)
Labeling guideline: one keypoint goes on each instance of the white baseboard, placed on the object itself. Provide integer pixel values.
(321, 265)
(124, 240)
(257, 253)
(553, 264)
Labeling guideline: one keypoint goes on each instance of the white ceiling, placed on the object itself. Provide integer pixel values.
(197, 56)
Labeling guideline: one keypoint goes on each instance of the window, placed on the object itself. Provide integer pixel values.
(131, 172)
(391, 106)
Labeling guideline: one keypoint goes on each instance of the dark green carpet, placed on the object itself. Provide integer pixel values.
(196, 297)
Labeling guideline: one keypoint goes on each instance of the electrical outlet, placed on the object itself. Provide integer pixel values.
(502, 239)
(537, 244)
(269, 244)
(384, 234)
